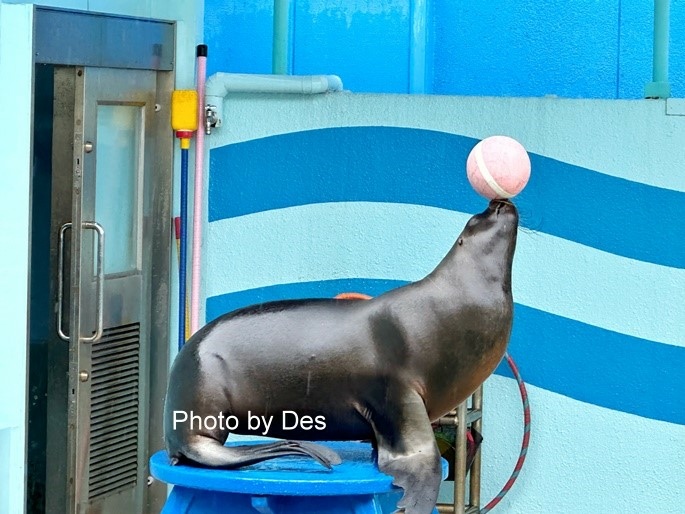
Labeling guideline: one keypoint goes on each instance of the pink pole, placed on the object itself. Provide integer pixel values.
(199, 186)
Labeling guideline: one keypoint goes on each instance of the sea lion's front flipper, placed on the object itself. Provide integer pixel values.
(407, 449)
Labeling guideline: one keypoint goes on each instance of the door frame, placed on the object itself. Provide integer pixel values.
(145, 45)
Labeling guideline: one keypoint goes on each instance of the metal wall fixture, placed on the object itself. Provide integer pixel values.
(462, 418)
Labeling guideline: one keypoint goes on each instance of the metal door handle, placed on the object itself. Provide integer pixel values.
(60, 281)
(92, 225)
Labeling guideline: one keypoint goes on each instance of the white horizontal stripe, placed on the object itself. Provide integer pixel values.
(630, 139)
(404, 242)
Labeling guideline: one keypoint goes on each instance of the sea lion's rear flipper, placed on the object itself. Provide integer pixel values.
(210, 452)
(407, 449)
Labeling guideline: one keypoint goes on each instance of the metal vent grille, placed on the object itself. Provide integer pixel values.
(114, 411)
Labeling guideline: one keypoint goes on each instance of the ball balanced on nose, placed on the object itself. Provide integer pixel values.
(498, 167)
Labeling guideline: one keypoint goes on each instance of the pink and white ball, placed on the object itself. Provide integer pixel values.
(498, 167)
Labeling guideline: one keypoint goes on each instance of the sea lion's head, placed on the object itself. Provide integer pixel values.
(491, 233)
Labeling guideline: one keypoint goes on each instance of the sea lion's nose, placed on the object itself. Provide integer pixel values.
(499, 205)
(499, 202)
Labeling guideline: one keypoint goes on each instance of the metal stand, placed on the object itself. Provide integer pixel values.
(463, 417)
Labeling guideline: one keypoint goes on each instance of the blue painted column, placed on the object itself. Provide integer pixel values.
(660, 87)
(282, 42)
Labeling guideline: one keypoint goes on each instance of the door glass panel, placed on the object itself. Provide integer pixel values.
(118, 156)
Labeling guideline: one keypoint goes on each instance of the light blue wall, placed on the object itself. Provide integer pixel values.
(15, 104)
(315, 196)
(579, 49)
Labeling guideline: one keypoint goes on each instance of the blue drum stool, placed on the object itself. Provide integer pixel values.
(287, 485)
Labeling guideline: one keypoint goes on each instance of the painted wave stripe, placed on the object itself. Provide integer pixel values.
(423, 167)
(317, 242)
(601, 449)
(577, 360)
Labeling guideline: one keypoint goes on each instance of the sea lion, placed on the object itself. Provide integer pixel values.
(381, 369)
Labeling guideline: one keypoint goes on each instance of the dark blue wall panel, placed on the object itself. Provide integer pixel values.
(677, 49)
(579, 49)
(526, 48)
(368, 49)
(635, 50)
(239, 35)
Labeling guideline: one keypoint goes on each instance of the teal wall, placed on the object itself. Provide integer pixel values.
(578, 49)
(311, 196)
(15, 161)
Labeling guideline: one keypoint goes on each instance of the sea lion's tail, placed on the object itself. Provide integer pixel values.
(210, 452)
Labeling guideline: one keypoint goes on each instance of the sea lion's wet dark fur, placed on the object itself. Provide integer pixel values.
(381, 369)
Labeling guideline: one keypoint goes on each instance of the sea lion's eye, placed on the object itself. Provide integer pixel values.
(460, 241)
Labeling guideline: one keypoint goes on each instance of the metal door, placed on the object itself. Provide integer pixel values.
(104, 271)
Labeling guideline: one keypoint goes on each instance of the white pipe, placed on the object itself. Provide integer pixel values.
(221, 84)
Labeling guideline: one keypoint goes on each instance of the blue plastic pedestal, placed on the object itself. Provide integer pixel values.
(287, 485)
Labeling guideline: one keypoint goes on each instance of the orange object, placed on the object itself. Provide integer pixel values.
(353, 296)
